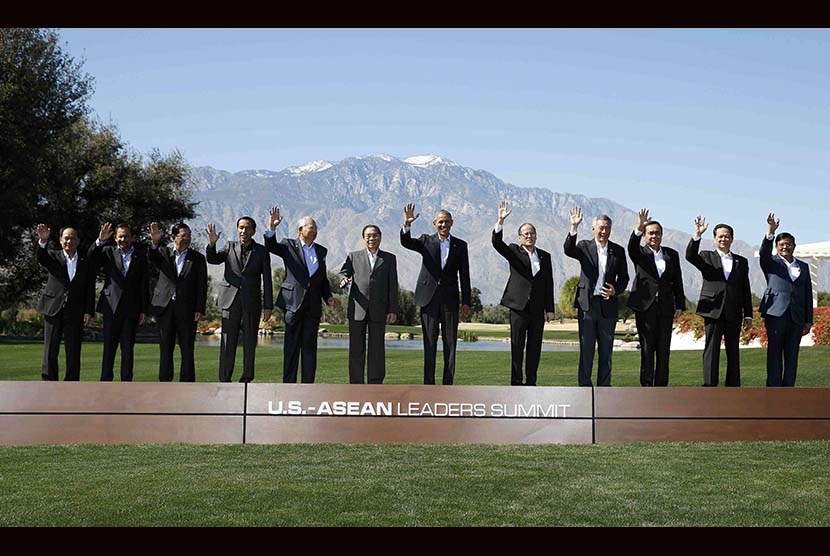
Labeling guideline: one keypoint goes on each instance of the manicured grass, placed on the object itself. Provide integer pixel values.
(672, 484)
(21, 361)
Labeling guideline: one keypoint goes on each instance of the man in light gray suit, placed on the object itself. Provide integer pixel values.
(787, 304)
(247, 266)
(373, 302)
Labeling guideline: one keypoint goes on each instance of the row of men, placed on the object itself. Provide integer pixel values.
(245, 296)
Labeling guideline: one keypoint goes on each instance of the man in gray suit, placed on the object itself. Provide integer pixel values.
(247, 267)
(373, 302)
(787, 304)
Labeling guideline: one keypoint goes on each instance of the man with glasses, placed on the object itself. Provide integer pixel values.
(528, 295)
(373, 303)
(787, 304)
(179, 298)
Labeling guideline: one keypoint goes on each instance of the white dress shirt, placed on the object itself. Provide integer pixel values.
(372, 259)
(793, 268)
(602, 261)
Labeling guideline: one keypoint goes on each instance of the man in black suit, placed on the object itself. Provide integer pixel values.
(657, 298)
(305, 287)
(179, 299)
(603, 277)
(528, 295)
(67, 303)
(725, 300)
(444, 262)
(787, 304)
(247, 277)
(373, 302)
(124, 299)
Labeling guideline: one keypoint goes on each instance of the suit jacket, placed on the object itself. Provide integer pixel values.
(616, 273)
(190, 288)
(374, 291)
(649, 287)
(522, 287)
(432, 277)
(299, 290)
(77, 296)
(248, 279)
(782, 293)
(719, 297)
(129, 293)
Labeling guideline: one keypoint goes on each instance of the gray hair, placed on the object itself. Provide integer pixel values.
(301, 222)
(602, 217)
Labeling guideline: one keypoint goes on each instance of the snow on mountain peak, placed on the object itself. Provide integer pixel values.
(316, 166)
(426, 160)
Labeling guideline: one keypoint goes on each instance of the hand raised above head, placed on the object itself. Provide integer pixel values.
(772, 223)
(504, 210)
(274, 217)
(106, 231)
(155, 233)
(576, 217)
(213, 235)
(43, 232)
(409, 214)
(700, 225)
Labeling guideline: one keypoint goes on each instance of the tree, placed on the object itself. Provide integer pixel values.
(59, 168)
(407, 310)
(567, 296)
(823, 299)
(475, 301)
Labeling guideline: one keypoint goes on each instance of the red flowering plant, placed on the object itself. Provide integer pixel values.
(689, 321)
(756, 331)
(821, 326)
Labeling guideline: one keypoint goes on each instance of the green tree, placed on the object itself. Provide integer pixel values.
(407, 310)
(567, 296)
(475, 301)
(59, 168)
(823, 299)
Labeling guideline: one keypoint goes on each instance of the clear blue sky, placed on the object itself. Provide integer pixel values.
(729, 123)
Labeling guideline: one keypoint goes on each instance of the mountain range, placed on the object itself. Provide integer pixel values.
(346, 195)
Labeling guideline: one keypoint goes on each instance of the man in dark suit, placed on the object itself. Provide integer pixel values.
(179, 299)
(444, 262)
(247, 277)
(528, 294)
(657, 298)
(373, 302)
(603, 277)
(124, 299)
(67, 303)
(787, 304)
(725, 300)
(305, 287)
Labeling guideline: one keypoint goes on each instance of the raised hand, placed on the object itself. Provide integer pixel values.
(576, 218)
(409, 215)
(642, 219)
(773, 223)
(504, 211)
(700, 225)
(155, 233)
(274, 218)
(106, 231)
(213, 235)
(43, 232)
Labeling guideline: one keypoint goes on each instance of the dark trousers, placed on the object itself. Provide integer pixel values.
(118, 330)
(234, 319)
(595, 330)
(432, 315)
(654, 330)
(70, 327)
(376, 368)
(175, 323)
(300, 337)
(783, 340)
(715, 330)
(526, 329)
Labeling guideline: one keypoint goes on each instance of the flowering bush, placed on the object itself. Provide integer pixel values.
(756, 331)
(821, 326)
(689, 321)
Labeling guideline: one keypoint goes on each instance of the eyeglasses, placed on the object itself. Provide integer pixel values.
(371, 236)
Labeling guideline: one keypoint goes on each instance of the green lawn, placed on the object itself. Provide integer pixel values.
(671, 484)
(21, 361)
